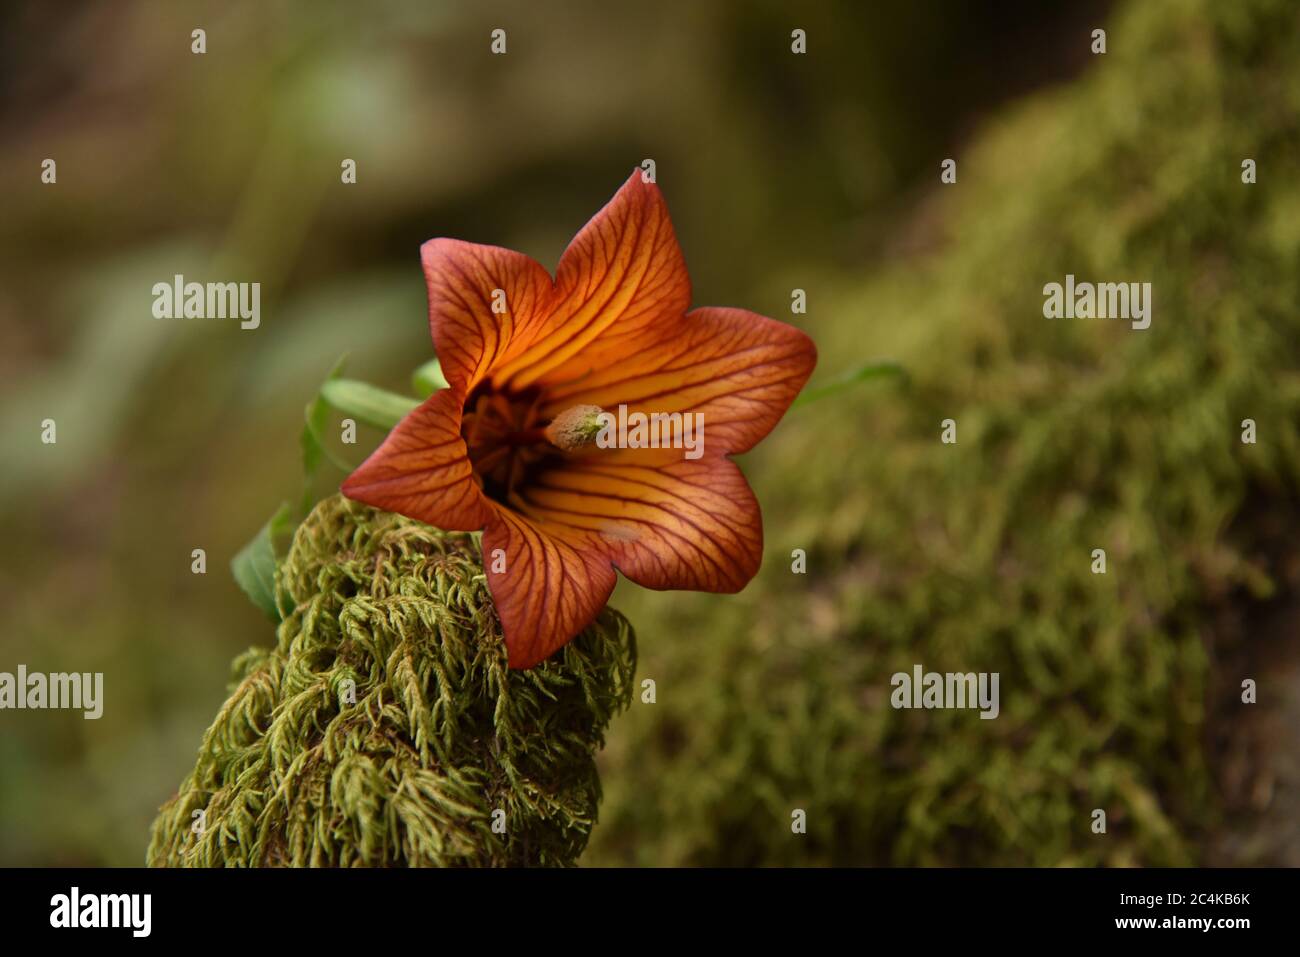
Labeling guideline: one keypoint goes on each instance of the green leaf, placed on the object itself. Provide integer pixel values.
(428, 379)
(254, 566)
(881, 368)
(366, 403)
(314, 450)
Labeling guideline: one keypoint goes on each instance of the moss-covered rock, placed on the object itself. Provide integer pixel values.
(1072, 435)
(385, 728)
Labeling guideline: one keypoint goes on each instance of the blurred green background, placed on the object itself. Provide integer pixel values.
(782, 171)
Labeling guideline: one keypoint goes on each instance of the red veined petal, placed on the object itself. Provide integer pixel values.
(422, 470)
(469, 337)
(550, 588)
(619, 281)
(679, 523)
(738, 369)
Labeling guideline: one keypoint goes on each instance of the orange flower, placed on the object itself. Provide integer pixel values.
(611, 330)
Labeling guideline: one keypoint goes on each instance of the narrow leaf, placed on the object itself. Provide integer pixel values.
(366, 403)
(882, 368)
(428, 379)
(312, 440)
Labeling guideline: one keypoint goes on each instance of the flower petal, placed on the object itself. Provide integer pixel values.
(621, 279)
(486, 304)
(422, 469)
(546, 586)
(691, 524)
(738, 369)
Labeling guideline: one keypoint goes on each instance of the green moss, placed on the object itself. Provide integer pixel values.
(1072, 435)
(385, 728)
